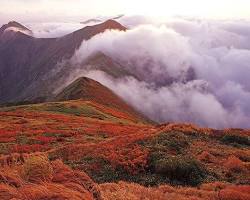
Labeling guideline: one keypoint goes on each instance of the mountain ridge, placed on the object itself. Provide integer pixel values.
(28, 61)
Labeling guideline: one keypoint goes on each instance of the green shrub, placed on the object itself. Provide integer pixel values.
(4, 148)
(21, 138)
(165, 141)
(235, 140)
(148, 179)
(178, 169)
(99, 169)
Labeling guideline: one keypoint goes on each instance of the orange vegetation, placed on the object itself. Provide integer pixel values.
(234, 164)
(54, 180)
(130, 191)
(111, 145)
(39, 179)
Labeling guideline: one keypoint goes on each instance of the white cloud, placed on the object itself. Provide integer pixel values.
(53, 29)
(216, 95)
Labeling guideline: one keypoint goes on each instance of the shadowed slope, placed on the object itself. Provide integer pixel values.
(30, 61)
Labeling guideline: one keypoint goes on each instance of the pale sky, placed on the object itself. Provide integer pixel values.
(49, 10)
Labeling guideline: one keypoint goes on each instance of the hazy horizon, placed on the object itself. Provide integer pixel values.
(28, 11)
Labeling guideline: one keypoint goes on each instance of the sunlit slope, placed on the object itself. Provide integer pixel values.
(91, 90)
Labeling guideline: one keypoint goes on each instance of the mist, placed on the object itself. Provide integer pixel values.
(193, 71)
(53, 29)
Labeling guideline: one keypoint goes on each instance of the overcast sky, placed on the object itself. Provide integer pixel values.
(63, 10)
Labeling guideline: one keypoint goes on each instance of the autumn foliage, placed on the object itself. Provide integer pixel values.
(65, 183)
(131, 191)
(53, 181)
(234, 164)
(126, 158)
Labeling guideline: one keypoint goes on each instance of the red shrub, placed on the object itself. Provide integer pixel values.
(205, 156)
(234, 164)
(44, 139)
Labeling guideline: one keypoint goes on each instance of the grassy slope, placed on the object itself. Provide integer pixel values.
(38, 178)
(111, 145)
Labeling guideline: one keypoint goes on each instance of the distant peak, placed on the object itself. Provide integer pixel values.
(84, 80)
(112, 21)
(111, 24)
(114, 24)
(89, 31)
(14, 23)
(15, 27)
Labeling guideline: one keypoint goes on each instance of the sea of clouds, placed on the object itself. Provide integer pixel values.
(184, 70)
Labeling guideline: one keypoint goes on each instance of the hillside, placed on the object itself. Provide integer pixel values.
(53, 180)
(111, 146)
(38, 178)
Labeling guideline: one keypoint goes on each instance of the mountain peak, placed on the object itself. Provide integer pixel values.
(16, 24)
(15, 27)
(90, 90)
(90, 31)
(82, 88)
(112, 24)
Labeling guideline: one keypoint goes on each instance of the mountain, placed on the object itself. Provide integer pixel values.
(26, 63)
(100, 61)
(85, 142)
(14, 27)
(90, 90)
(96, 20)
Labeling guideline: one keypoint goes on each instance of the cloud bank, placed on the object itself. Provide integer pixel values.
(53, 29)
(184, 70)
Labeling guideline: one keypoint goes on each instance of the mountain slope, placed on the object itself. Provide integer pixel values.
(91, 90)
(111, 145)
(28, 61)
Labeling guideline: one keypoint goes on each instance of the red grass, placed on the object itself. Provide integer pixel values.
(234, 164)
(71, 184)
(72, 138)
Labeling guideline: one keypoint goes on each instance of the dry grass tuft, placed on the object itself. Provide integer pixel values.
(74, 179)
(51, 191)
(7, 192)
(37, 169)
(38, 179)
(10, 177)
